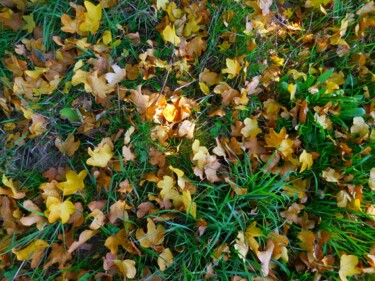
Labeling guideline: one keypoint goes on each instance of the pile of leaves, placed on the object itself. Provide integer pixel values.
(170, 140)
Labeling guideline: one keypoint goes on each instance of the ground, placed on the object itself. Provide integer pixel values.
(187, 140)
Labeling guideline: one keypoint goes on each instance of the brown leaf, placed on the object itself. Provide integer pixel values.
(265, 257)
(69, 147)
(83, 238)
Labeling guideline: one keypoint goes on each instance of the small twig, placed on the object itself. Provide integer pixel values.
(18, 271)
(166, 77)
(185, 85)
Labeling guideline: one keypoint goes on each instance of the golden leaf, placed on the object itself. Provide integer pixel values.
(126, 267)
(190, 206)
(233, 68)
(274, 139)
(154, 235)
(30, 250)
(100, 156)
(12, 191)
(58, 210)
(169, 35)
(92, 18)
(251, 232)
(251, 128)
(74, 182)
(306, 159)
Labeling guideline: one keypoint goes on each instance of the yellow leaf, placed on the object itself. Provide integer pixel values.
(278, 61)
(274, 139)
(165, 259)
(154, 235)
(27, 252)
(126, 267)
(29, 23)
(36, 72)
(12, 191)
(169, 35)
(204, 88)
(251, 128)
(316, 3)
(73, 183)
(348, 266)
(107, 37)
(306, 159)
(100, 156)
(170, 112)
(92, 18)
(286, 148)
(177, 171)
(251, 232)
(233, 68)
(292, 90)
(58, 210)
(190, 206)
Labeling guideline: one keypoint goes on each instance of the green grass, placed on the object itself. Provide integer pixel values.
(249, 190)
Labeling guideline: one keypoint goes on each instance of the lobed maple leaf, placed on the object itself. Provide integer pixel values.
(348, 266)
(101, 154)
(169, 35)
(153, 237)
(56, 209)
(74, 182)
(92, 18)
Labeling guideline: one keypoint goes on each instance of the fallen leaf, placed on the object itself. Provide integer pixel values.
(265, 5)
(83, 237)
(348, 266)
(265, 257)
(126, 267)
(115, 77)
(100, 156)
(27, 252)
(153, 237)
(306, 159)
(58, 210)
(169, 35)
(92, 18)
(371, 181)
(74, 182)
(251, 128)
(165, 259)
(68, 147)
(233, 68)
(241, 245)
(13, 189)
